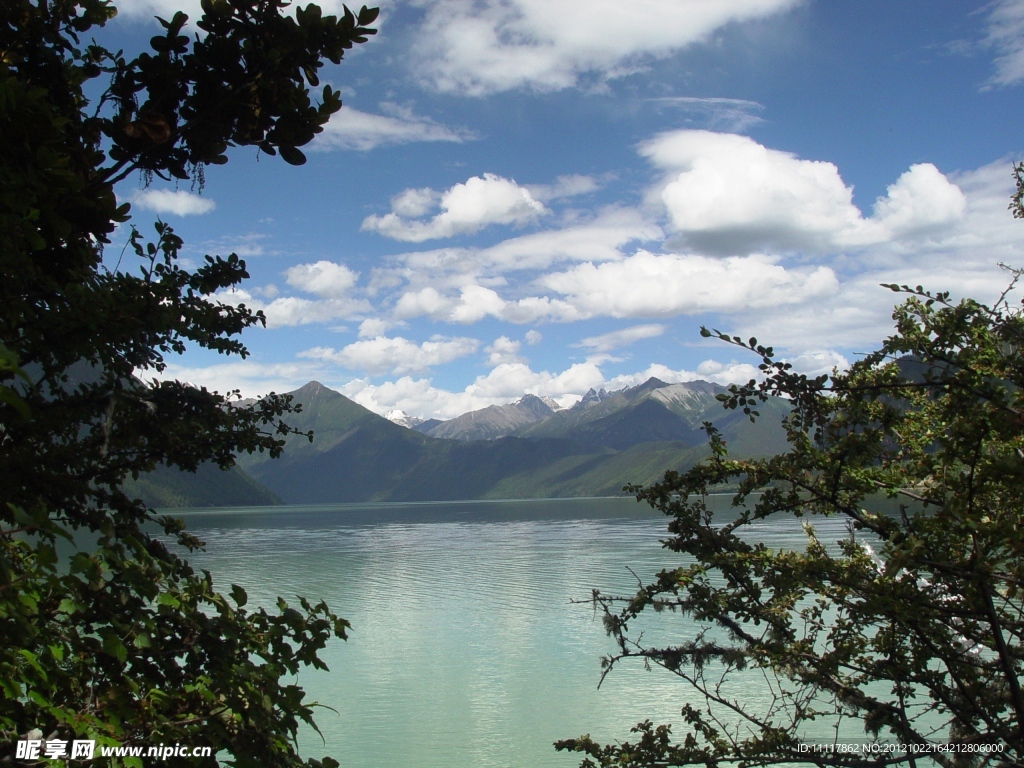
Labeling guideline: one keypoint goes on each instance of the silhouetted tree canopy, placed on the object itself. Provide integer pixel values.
(909, 630)
(121, 641)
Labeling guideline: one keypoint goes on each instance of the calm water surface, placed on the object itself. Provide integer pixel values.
(467, 650)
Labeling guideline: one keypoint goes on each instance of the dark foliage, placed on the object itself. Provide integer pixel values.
(121, 641)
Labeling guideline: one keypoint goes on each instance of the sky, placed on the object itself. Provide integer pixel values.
(549, 196)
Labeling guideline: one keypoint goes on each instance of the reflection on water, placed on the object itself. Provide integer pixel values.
(466, 649)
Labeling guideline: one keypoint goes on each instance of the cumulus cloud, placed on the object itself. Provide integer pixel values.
(353, 129)
(323, 278)
(533, 337)
(606, 342)
(505, 383)
(708, 370)
(475, 302)
(427, 301)
(733, 372)
(921, 199)
(415, 203)
(394, 355)
(961, 258)
(287, 311)
(503, 350)
(598, 239)
(331, 283)
(177, 202)
(483, 47)
(372, 327)
(726, 193)
(252, 378)
(816, 362)
(644, 284)
(661, 285)
(465, 208)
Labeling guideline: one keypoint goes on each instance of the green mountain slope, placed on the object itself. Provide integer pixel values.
(209, 486)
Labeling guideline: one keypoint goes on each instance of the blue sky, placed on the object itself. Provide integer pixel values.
(546, 196)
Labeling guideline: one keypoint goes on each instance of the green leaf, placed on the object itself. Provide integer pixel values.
(292, 155)
(113, 646)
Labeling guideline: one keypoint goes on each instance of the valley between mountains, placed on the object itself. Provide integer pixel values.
(527, 449)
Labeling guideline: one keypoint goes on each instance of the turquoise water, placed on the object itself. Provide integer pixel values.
(468, 649)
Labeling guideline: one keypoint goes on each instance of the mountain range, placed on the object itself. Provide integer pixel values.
(527, 449)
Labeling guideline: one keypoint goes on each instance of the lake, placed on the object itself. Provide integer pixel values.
(467, 648)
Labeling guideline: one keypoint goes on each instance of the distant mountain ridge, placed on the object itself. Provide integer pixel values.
(495, 421)
(525, 449)
(631, 436)
(653, 411)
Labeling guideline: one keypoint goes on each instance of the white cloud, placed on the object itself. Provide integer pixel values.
(374, 326)
(599, 239)
(606, 342)
(732, 372)
(323, 278)
(726, 193)
(147, 9)
(177, 202)
(419, 303)
(506, 383)
(329, 281)
(286, 311)
(251, 378)
(1005, 34)
(394, 355)
(564, 186)
(961, 258)
(353, 129)
(653, 285)
(415, 203)
(503, 350)
(818, 361)
(432, 283)
(920, 199)
(709, 370)
(486, 46)
(728, 373)
(733, 115)
(466, 208)
(533, 337)
(291, 310)
(475, 302)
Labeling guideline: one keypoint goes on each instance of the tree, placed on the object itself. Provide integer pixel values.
(122, 642)
(913, 625)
